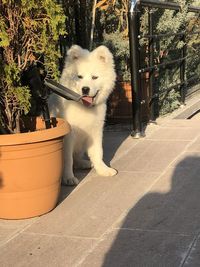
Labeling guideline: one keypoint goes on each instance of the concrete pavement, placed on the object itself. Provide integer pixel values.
(147, 215)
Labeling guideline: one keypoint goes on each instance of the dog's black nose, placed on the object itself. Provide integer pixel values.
(85, 90)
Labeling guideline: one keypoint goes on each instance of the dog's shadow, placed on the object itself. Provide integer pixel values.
(114, 136)
(67, 190)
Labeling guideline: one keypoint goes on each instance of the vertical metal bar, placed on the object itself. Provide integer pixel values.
(84, 24)
(78, 32)
(182, 71)
(151, 63)
(92, 24)
(39, 92)
(46, 115)
(133, 16)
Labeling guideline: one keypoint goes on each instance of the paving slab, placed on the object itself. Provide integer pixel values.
(170, 205)
(29, 250)
(195, 146)
(174, 133)
(139, 248)
(181, 123)
(147, 215)
(188, 159)
(151, 155)
(117, 144)
(7, 234)
(93, 208)
(11, 228)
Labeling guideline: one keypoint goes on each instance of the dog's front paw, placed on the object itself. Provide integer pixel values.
(70, 181)
(106, 171)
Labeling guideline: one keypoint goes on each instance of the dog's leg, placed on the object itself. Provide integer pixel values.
(95, 153)
(80, 160)
(68, 175)
(83, 164)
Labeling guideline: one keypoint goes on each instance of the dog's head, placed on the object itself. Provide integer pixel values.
(90, 74)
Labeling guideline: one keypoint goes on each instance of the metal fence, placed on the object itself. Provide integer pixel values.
(136, 65)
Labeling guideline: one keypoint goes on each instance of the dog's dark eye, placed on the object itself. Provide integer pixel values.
(94, 77)
(80, 76)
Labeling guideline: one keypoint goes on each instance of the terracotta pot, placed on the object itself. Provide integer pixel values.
(30, 170)
(120, 102)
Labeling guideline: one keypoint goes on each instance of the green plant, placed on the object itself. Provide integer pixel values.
(166, 49)
(119, 45)
(113, 15)
(29, 31)
(169, 101)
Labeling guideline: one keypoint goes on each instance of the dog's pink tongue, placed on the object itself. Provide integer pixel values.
(87, 100)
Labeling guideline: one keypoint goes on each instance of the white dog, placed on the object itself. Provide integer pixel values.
(92, 75)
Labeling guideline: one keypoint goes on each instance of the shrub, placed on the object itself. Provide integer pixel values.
(29, 31)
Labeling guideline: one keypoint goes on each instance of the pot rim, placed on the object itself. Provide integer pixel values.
(62, 128)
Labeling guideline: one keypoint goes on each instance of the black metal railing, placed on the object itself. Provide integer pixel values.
(135, 55)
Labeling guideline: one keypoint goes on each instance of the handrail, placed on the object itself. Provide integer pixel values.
(166, 5)
(136, 70)
(162, 35)
(162, 65)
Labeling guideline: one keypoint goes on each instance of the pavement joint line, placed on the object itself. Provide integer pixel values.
(151, 231)
(101, 239)
(128, 150)
(192, 244)
(136, 171)
(193, 151)
(62, 235)
(185, 126)
(17, 233)
(86, 179)
(184, 151)
(168, 140)
(188, 125)
(124, 153)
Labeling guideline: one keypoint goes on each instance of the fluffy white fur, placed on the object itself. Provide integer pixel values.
(94, 70)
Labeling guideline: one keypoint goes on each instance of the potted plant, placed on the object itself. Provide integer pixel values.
(30, 155)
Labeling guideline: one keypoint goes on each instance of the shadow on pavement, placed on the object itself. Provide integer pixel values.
(160, 228)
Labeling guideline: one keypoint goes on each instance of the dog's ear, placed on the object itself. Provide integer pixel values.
(103, 54)
(75, 52)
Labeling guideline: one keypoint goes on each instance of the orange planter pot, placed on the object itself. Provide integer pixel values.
(30, 170)
(120, 102)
